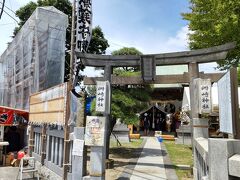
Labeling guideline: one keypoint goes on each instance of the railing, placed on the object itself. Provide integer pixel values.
(54, 151)
(216, 158)
(202, 166)
(201, 162)
(37, 143)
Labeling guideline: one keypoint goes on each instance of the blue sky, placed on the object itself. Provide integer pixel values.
(152, 26)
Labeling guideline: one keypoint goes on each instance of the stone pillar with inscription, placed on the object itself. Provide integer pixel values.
(98, 152)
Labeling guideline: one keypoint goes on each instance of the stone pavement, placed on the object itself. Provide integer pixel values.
(11, 173)
(153, 163)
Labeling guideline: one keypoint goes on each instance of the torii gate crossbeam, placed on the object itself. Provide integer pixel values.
(196, 56)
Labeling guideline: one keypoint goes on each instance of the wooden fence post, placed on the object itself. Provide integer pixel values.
(43, 143)
(66, 134)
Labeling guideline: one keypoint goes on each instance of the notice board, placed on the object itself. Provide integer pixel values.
(49, 106)
(228, 102)
(95, 129)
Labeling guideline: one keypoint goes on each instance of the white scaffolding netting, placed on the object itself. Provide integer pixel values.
(34, 60)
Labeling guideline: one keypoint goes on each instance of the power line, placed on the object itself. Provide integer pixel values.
(10, 16)
(11, 9)
(8, 8)
(3, 3)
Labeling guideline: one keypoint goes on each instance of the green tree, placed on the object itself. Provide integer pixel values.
(215, 22)
(98, 44)
(127, 51)
(127, 102)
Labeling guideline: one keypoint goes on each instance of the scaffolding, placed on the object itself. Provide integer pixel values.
(34, 60)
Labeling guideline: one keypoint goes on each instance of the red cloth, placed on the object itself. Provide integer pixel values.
(7, 118)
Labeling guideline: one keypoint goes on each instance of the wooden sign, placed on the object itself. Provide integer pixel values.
(95, 129)
(103, 97)
(49, 106)
(228, 102)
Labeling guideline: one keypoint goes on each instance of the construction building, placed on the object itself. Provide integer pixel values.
(34, 60)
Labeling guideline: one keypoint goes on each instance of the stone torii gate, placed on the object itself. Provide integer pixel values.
(148, 63)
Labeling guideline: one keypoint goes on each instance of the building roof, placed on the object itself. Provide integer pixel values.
(153, 106)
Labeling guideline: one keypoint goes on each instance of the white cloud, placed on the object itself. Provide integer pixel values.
(180, 41)
(153, 42)
(92, 72)
(150, 41)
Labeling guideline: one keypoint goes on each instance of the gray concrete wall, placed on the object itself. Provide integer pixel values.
(220, 150)
(234, 165)
(200, 128)
(46, 173)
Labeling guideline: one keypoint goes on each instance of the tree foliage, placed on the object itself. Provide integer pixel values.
(98, 44)
(128, 102)
(215, 22)
(127, 51)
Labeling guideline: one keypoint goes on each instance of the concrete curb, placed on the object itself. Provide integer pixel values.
(169, 167)
(132, 163)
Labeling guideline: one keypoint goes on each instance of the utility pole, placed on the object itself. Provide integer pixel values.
(66, 152)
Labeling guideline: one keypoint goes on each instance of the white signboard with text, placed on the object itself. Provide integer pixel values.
(205, 99)
(103, 97)
(78, 146)
(95, 129)
(225, 104)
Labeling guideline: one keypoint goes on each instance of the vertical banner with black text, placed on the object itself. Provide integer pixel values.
(84, 25)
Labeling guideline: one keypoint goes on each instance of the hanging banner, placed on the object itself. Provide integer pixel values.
(7, 118)
(103, 97)
(84, 25)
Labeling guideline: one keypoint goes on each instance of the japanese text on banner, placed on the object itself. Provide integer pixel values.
(84, 24)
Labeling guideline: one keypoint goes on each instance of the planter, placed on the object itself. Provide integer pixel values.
(130, 127)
